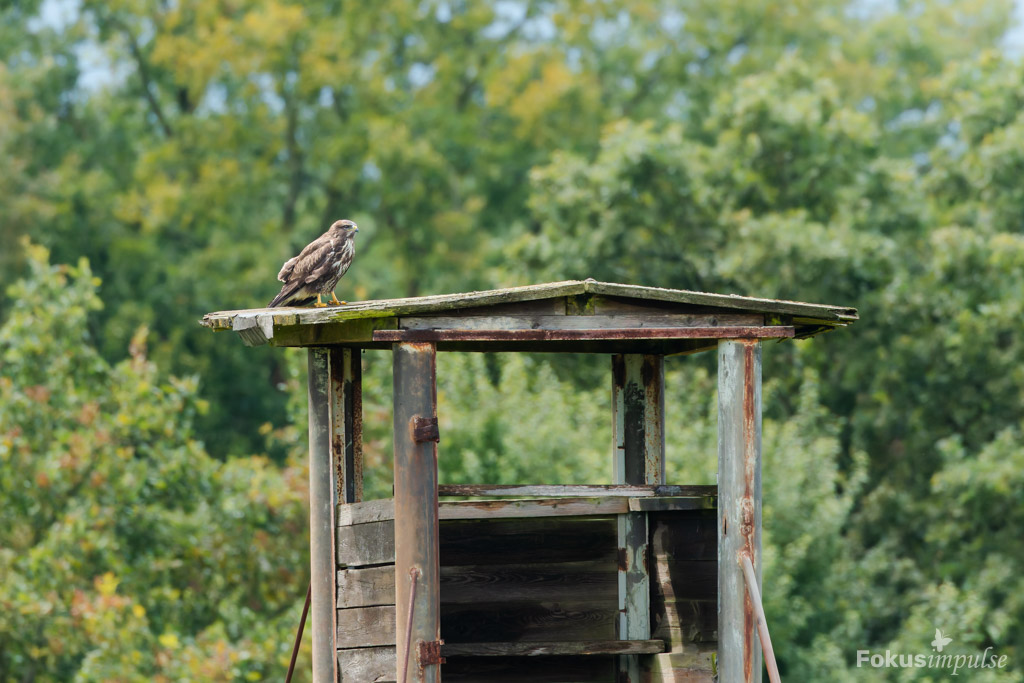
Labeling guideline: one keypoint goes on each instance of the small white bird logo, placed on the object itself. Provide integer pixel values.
(940, 641)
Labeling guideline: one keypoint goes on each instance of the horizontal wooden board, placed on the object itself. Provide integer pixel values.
(684, 535)
(559, 669)
(674, 579)
(580, 322)
(539, 582)
(545, 649)
(575, 490)
(360, 545)
(367, 665)
(585, 334)
(673, 504)
(366, 587)
(384, 509)
(684, 623)
(528, 540)
(366, 627)
(679, 667)
(498, 622)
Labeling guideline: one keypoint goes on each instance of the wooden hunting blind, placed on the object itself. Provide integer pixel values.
(635, 581)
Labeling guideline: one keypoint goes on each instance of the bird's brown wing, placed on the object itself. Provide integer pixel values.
(312, 258)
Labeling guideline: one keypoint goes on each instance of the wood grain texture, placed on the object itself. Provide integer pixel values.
(538, 582)
(675, 503)
(366, 587)
(556, 669)
(546, 649)
(528, 540)
(366, 626)
(679, 667)
(579, 322)
(360, 545)
(367, 665)
(576, 490)
(590, 619)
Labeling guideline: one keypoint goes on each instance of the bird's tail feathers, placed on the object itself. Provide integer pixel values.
(284, 298)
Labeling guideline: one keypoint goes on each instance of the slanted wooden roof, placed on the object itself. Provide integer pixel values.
(575, 315)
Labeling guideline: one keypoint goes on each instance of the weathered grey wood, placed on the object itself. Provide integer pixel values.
(321, 519)
(366, 627)
(739, 506)
(669, 504)
(416, 511)
(366, 587)
(590, 619)
(547, 507)
(362, 512)
(638, 409)
(554, 669)
(684, 623)
(269, 320)
(540, 582)
(367, 664)
(680, 667)
(579, 322)
(383, 509)
(550, 648)
(347, 423)
(570, 490)
(484, 337)
(360, 545)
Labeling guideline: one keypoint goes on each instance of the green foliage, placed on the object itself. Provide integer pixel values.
(826, 151)
(127, 552)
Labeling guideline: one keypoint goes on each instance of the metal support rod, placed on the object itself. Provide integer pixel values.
(739, 506)
(416, 517)
(638, 412)
(762, 622)
(414, 575)
(321, 521)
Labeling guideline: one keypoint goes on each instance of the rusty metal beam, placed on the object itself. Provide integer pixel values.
(321, 520)
(749, 332)
(739, 507)
(638, 412)
(416, 516)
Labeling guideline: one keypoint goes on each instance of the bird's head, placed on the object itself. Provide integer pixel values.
(346, 227)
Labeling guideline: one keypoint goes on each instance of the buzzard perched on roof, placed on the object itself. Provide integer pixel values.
(318, 267)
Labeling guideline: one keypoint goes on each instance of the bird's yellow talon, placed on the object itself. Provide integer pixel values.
(319, 304)
(334, 300)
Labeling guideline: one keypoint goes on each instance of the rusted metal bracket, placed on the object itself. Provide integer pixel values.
(425, 429)
(429, 654)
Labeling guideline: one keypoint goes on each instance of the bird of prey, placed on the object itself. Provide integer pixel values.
(318, 267)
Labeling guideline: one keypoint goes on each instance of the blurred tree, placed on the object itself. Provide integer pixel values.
(127, 552)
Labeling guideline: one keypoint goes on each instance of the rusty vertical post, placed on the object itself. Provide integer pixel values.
(739, 507)
(321, 520)
(638, 411)
(416, 525)
(347, 423)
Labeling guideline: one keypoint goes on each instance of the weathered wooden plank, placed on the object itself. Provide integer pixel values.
(367, 511)
(360, 545)
(536, 582)
(566, 491)
(366, 626)
(685, 622)
(367, 665)
(346, 409)
(685, 535)
(366, 587)
(680, 667)
(678, 579)
(584, 334)
(383, 509)
(670, 504)
(528, 540)
(548, 507)
(321, 519)
(546, 649)
(580, 322)
(591, 619)
(739, 501)
(417, 566)
(555, 669)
